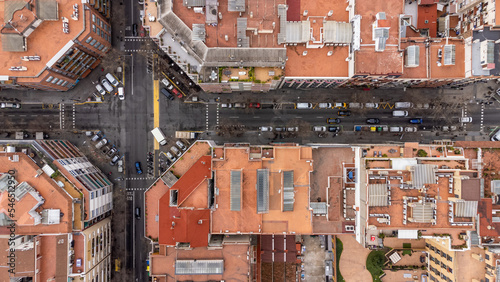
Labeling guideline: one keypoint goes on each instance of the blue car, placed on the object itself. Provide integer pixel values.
(138, 167)
(416, 120)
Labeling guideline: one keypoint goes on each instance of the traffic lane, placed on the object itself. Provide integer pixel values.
(141, 251)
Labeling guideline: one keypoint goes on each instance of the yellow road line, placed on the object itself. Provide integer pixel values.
(156, 108)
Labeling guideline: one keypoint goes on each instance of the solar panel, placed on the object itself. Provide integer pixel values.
(262, 190)
(235, 200)
(199, 267)
(288, 191)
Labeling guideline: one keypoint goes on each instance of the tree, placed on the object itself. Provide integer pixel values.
(421, 153)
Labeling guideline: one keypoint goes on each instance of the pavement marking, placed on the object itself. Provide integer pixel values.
(482, 117)
(61, 116)
(218, 104)
(156, 106)
(136, 189)
(206, 117)
(74, 110)
(256, 117)
(234, 117)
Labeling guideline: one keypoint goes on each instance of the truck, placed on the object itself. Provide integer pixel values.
(159, 136)
(185, 134)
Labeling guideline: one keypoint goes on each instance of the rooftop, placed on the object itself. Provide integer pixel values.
(54, 197)
(44, 40)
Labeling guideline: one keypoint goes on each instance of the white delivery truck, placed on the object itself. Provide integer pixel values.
(159, 136)
(185, 134)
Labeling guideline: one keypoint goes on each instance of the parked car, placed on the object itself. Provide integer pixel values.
(324, 105)
(170, 157)
(176, 93)
(371, 105)
(121, 94)
(101, 143)
(265, 128)
(279, 129)
(228, 105)
(114, 160)
(111, 78)
(96, 137)
(333, 128)
(167, 94)
(240, 105)
(165, 82)
(319, 128)
(292, 129)
(138, 168)
(175, 151)
(411, 129)
(496, 136)
(333, 120)
(344, 113)
(134, 29)
(10, 105)
(254, 105)
(466, 119)
(340, 106)
(416, 121)
(107, 85)
(373, 121)
(180, 145)
(100, 89)
(138, 213)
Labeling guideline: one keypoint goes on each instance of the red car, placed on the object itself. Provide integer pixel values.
(176, 93)
(254, 105)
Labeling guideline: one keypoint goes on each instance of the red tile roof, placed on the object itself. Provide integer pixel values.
(174, 223)
(427, 18)
(486, 225)
(293, 12)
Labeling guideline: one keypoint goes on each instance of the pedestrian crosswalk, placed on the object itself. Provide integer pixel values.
(139, 178)
(140, 50)
(136, 189)
(137, 39)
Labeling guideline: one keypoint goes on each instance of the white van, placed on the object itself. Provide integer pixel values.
(121, 95)
(100, 89)
(496, 136)
(403, 105)
(400, 113)
(395, 129)
(324, 105)
(112, 79)
(106, 85)
(304, 106)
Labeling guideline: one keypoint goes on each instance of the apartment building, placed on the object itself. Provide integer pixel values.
(86, 177)
(52, 238)
(51, 45)
(240, 45)
(442, 261)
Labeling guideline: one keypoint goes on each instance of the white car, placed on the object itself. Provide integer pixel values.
(180, 145)
(411, 129)
(100, 89)
(121, 94)
(466, 119)
(496, 136)
(112, 79)
(106, 85)
(265, 128)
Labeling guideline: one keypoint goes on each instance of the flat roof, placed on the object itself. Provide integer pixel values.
(317, 62)
(367, 60)
(45, 40)
(54, 197)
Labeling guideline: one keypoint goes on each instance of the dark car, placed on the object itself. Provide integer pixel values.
(254, 105)
(333, 128)
(279, 129)
(138, 212)
(416, 121)
(422, 259)
(373, 121)
(333, 120)
(168, 95)
(344, 113)
(138, 167)
(134, 29)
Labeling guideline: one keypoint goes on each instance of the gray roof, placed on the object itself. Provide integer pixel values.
(298, 32)
(412, 56)
(449, 55)
(262, 190)
(212, 11)
(465, 208)
(235, 199)
(169, 179)
(421, 212)
(236, 5)
(337, 32)
(480, 35)
(377, 195)
(288, 191)
(199, 32)
(318, 207)
(245, 57)
(199, 267)
(495, 186)
(10, 7)
(241, 27)
(193, 3)
(47, 10)
(13, 43)
(423, 174)
(4, 182)
(282, 15)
